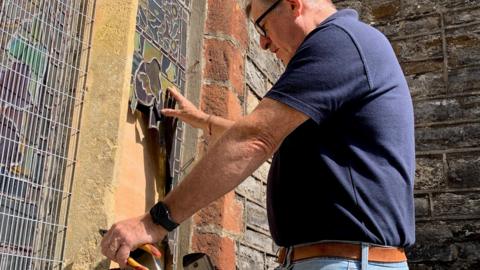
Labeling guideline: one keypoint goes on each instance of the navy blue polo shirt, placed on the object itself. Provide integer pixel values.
(347, 172)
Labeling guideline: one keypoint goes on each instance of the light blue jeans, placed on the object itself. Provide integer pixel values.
(342, 264)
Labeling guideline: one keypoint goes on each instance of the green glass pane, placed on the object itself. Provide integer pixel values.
(150, 52)
(35, 57)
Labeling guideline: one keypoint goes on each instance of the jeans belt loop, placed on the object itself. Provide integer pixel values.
(287, 261)
(365, 247)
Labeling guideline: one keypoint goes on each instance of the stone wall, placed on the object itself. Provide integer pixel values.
(255, 249)
(438, 45)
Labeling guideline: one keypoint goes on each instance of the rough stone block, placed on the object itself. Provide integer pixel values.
(445, 137)
(383, 10)
(411, 26)
(459, 17)
(469, 251)
(422, 206)
(451, 204)
(259, 240)
(418, 48)
(461, 108)
(256, 216)
(271, 263)
(461, 231)
(253, 189)
(450, 4)
(410, 8)
(427, 84)
(463, 170)
(432, 252)
(464, 80)
(255, 79)
(438, 231)
(428, 111)
(463, 46)
(249, 258)
(429, 173)
(423, 66)
(262, 172)
(438, 236)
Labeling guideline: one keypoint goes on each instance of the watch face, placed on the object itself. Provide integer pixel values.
(160, 211)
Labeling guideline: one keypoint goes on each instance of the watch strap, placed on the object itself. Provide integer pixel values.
(161, 216)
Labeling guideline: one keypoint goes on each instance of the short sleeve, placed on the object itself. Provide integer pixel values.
(326, 73)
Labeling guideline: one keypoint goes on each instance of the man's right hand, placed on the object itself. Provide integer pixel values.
(127, 235)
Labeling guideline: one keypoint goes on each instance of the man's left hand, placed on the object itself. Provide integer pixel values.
(127, 235)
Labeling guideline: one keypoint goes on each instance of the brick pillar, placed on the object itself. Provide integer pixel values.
(217, 227)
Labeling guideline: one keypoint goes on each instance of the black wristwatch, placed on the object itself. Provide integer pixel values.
(161, 216)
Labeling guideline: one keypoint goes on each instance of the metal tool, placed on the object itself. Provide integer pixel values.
(197, 261)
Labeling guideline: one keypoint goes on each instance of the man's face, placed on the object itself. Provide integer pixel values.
(277, 22)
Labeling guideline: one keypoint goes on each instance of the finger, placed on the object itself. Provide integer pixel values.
(174, 103)
(176, 94)
(170, 112)
(105, 239)
(111, 250)
(122, 255)
(107, 245)
(171, 103)
(152, 250)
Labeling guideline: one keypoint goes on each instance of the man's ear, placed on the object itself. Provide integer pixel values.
(296, 6)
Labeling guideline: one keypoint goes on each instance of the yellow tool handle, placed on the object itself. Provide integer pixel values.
(152, 250)
(131, 262)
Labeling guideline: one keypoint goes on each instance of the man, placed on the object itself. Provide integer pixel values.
(340, 122)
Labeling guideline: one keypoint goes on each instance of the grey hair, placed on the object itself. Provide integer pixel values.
(248, 4)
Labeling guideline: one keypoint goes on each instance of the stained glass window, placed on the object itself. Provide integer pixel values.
(159, 61)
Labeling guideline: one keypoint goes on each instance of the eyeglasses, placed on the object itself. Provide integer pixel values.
(259, 28)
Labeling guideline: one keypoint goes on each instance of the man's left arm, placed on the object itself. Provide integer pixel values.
(236, 155)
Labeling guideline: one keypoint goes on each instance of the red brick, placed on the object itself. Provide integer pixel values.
(228, 18)
(220, 249)
(224, 63)
(219, 100)
(226, 213)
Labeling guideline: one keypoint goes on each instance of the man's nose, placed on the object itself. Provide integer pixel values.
(265, 42)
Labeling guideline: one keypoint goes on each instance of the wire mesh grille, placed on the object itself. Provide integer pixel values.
(43, 52)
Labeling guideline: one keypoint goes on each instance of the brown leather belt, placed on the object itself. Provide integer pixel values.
(344, 250)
